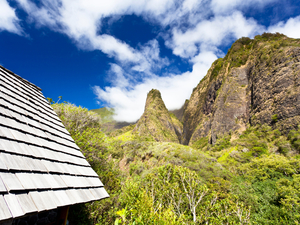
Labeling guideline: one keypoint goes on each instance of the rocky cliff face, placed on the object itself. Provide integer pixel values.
(257, 82)
(157, 122)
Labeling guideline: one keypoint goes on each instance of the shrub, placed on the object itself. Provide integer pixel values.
(218, 65)
(76, 118)
(222, 143)
(244, 40)
(284, 145)
(201, 143)
(275, 118)
(294, 137)
(258, 151)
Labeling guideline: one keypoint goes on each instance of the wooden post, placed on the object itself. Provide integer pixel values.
(63, 215)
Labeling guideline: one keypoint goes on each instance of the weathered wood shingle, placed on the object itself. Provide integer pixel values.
(41, 167)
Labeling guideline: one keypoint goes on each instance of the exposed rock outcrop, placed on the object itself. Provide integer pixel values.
(275, 89)
(257, 82)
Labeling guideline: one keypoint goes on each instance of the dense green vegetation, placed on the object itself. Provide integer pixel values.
(251, 179)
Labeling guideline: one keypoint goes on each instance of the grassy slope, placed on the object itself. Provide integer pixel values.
(260, 168)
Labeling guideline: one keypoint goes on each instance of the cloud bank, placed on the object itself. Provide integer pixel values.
(8, 19)
(194, 30)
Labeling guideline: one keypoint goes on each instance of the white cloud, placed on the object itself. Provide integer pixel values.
(44, 16)
(190, 4)
(291, 27)
(226, 7)
(128, 101)
(150, 58)
(8, 19)
(212, 32)
(81, 21)
(114, 48)
(117, 76)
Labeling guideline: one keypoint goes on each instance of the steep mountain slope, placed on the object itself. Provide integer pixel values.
(257, 82)
(178, 113)
(157, 122)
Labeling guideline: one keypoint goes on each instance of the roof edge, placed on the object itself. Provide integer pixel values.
(22, 79)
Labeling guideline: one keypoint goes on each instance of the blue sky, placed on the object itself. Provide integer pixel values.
(97, 53)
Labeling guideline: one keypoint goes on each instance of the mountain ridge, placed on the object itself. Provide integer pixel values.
(249, 86)
(257, 82)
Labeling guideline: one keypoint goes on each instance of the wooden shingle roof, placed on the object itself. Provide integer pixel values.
(41, 167)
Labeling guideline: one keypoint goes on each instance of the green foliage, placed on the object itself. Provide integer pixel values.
(50, 100)
(284, 146)
(181, 194)
(156, 122)
(275, 118)
(244, 40)
(201, 143)
(289, 194)
(154, 94)
(260, 178)
(218, 64)
(255, 139)
(76, 118)
(221, 143)
(139, 208)
(254, 180)
(271, 166)
(226, 154)
(156, 154)
(269, 36)
(294, 137)
(239, 52)
(84, 127)
(270, 178)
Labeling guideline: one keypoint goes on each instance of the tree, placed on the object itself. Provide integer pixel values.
(192, 187)
(50, 100)
(76, 119)
(59, 98)
(289, 193)
(177, 187)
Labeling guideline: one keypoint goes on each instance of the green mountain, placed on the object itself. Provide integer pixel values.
(240, 162)
(157, 122)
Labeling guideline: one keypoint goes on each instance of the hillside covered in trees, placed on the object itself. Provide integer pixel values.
(231, 158)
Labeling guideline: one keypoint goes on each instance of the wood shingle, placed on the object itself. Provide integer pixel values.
(41, 167)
